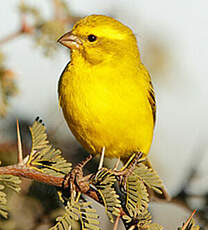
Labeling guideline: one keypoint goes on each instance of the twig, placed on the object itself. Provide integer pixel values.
(61, 182)
(29, 29)
(25, 28)
(10, 37)
(56, 7)
(19, 144)
(23, 171)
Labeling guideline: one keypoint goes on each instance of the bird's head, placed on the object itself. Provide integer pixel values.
(98, 39)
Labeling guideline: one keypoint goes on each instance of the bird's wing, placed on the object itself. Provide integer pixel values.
(150, 90)
(151, 98)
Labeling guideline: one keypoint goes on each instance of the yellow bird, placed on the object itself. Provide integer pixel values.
(105, 91)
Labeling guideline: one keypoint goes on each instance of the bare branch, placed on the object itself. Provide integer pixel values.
(10, 37)
(24, 29)
(30, 173)
(24, 171)
(57, 6)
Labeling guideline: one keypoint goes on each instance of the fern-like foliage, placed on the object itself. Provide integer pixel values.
(43, 156)
(153, 226)
(11, 182)
(135, 204)
(3, 203)
(8, 87)
(88, 216)
(149, 176)
(65, 222)
(47, 31)
(144, 221)
(48, 34)
(104, 183)
(123, 193)
(76, 210)
(137, 196)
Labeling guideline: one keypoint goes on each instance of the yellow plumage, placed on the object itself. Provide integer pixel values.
(105, 91)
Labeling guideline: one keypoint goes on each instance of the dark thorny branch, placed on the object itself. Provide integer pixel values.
(123, 193)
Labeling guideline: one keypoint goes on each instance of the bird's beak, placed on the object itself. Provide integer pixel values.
(70, 40)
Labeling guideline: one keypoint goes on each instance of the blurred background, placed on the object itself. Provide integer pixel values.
(172, 37)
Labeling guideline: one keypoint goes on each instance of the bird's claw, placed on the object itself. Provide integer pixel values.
(75, 178)
(128, 168)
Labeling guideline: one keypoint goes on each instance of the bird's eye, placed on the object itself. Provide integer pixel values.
(92, 38)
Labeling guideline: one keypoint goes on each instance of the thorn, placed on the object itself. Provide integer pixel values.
(101, 158)
(19, 144)
(115, 227)
(188, 221)
(116, 164)
(87, 178)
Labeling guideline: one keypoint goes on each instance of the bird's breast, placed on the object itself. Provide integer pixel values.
(105, 109)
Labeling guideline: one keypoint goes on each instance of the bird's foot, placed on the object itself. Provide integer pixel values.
(128, 168)
(130, 165)
(75, 178)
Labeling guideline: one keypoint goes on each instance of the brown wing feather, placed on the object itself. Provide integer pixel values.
(150, 90)
(152, 101)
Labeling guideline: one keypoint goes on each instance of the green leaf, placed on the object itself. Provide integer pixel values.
(65, 221)
(44, 157)
(88, 216)
(104, 183)
(127, 218)
(154, 226)
(47, 35)
(149, 176)
(11, 182)
(3, 205)
(144, 218)
(78, 209)
(8, 88)
(136, 197)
